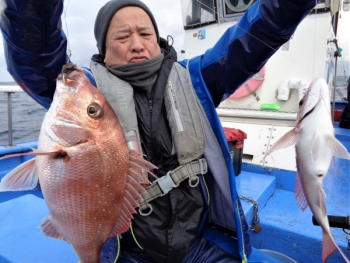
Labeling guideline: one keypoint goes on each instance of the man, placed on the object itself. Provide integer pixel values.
(171, 115)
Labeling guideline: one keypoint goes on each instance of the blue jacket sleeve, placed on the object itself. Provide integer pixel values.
(245, 47)
(34, 45)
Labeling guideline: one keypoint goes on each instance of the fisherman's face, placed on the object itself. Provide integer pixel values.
(130, 38)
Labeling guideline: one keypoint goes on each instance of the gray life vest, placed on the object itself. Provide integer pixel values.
(184, 119)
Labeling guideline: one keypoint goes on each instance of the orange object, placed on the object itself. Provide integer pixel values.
(250, 86)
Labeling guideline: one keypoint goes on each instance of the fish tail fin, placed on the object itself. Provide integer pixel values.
(328, 246)
(23, 177)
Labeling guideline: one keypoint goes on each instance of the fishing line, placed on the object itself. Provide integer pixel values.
(67, 34)
(313, 73)
(345, 77)
(226, 20)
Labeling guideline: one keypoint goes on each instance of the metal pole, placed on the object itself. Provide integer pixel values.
(337, 54)
(9, 118)
(218, 11)
(334, 87)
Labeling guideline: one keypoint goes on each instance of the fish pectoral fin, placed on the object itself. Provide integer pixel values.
(49, 230)
(288, 139)
(316, 149)
(337, 148)
(299, 194)
(23, 177)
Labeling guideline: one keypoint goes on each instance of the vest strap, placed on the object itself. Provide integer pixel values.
(172, 179)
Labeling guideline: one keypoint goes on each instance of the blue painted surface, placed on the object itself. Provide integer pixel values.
(258, 186)
(20, 238)
(6, 165)
(284, 179)
(286, 229)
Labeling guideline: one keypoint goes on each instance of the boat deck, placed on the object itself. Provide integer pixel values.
(285, 228)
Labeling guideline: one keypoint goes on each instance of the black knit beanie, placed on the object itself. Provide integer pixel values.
(105, 15)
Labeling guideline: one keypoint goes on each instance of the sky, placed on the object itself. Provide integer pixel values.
(344, 43)
(79, 19)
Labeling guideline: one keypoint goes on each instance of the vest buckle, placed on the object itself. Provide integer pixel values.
(166, 183)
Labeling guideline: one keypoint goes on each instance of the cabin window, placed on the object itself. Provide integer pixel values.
(197, 13)
(236, 7)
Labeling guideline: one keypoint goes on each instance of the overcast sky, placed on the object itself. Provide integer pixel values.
(80, 17)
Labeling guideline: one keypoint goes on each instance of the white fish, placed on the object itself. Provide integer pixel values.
(315, 146)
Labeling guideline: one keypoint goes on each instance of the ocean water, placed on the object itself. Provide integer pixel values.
(27, 116)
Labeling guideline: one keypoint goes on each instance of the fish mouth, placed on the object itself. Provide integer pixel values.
(68, 68)
(71, 75)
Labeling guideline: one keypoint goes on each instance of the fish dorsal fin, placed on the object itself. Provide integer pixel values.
(23, 177)
(132, 193)
(49, 230)
(128, 206)
(337, 148)
(299, 191)
(288, 139)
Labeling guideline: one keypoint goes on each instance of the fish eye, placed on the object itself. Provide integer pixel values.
(301, 102)
(94, 110)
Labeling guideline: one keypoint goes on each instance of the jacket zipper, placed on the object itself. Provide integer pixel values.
(178, 121)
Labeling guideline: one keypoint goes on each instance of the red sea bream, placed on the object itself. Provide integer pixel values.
(87, 174)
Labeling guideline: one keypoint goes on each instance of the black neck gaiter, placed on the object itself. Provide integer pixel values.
(141, 75)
